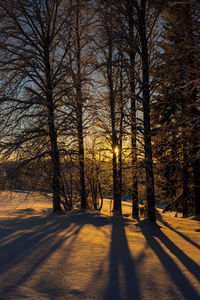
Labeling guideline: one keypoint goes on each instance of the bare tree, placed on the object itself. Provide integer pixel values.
(31, 61)
(109, 68)
(141, 8)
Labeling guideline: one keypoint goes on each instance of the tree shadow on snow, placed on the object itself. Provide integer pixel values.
(159, 216)
(152, 233)
(27, 241)
(121, 264)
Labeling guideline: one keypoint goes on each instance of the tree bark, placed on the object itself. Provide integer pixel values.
(194, 154)
(56, 176)
(53, 142)
(135, 204)
(112, 103)
(55, 161)
(146, 111)
(196, 172)
(185, 186)
(81, 157)
(117, 200)
(80, 112)
(120, 128)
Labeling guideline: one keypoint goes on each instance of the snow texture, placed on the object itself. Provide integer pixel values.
(96, 256)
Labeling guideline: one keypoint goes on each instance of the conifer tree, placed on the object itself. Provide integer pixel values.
(176, 107)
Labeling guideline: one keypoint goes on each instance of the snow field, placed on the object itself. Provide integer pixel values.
(94, 256)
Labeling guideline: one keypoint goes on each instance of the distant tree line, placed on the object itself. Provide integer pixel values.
(100, 97)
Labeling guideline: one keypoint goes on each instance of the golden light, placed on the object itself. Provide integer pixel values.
(116, 150)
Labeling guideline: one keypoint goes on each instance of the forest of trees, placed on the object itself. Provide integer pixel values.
(101, 98)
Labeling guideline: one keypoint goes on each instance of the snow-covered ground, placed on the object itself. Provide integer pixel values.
(94, 256)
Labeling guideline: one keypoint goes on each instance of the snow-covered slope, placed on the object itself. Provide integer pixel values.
(94, 256)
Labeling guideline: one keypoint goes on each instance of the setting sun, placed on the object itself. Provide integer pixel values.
(116, 150)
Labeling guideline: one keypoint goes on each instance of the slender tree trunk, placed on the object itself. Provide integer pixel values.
(55, 162)
(54, 148)
(135, 205)
(194, 154)
(115, 162)
(80, 113)
(135, 202)
(120, 130)
(185, 186)
(117, 200)
(56, 185)
(146, 111)
(196, 172)
(120, 162)
(196, 163)
(195, 143)
(81, 158)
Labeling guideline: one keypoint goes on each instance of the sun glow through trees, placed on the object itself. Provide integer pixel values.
(116, 150)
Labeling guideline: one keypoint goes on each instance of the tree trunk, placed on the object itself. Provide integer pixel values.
(195, 144)
(196, 172)
(135, 205)
(80, 112)
(81, 158)
(185, 186)
(54, 157)
(146, 111)
(56, 186)
(115, 162)
(120, 130)
(115, 159)
(117, 200)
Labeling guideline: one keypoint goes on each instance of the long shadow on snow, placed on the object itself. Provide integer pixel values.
(120, 256)
(152, 232)
(38, 237)
(159, 216)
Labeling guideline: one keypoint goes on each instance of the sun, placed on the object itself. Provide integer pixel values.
(116, 150)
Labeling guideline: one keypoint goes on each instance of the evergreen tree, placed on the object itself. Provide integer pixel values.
(176, 109)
